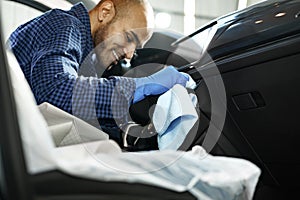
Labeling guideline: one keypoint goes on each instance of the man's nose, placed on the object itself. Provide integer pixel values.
(129, 51)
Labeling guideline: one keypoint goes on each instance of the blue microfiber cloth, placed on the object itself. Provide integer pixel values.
(174, 116)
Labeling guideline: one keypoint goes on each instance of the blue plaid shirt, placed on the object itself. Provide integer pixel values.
(50, 50)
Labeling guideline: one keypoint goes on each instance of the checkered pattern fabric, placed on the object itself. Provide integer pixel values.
(50, 50)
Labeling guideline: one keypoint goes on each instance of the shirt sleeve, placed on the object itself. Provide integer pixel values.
(54, 79)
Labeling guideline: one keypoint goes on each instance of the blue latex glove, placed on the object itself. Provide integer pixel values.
(158, 83)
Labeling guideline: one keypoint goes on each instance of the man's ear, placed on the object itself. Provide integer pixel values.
(106, 12)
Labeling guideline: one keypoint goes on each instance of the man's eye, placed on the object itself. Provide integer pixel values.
(129, 37)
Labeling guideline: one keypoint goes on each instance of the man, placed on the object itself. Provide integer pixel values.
(51, 49)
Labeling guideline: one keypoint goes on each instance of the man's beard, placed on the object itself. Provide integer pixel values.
(100, 35)
(99, 41)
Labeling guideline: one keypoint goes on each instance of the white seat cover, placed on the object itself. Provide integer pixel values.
(205, 176)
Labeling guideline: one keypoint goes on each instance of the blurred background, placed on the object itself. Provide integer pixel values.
(183, 16)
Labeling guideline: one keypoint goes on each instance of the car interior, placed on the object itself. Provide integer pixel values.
(252, 54)
(257, 63)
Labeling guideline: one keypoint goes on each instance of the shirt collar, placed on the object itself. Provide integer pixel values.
(81, 12)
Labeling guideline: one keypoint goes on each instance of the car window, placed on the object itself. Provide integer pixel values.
(62, 4)
(14, 14)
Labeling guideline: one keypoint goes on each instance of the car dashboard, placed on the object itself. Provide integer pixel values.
(256, 53)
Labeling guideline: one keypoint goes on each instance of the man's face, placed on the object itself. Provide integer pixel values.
(119, 38)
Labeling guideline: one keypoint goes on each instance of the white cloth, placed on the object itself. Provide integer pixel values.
(174, 116)
(67, 129)
(191, 84)
(205, 176)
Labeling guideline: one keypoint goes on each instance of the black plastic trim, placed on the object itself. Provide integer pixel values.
(58, 185)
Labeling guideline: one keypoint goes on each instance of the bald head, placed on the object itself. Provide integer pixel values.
(120, 26)
(131, 11)
(124, 9)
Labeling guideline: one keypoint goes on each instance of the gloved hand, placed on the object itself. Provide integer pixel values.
(158, 83)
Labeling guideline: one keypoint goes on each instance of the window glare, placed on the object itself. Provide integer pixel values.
(62, 4)
(14, 14)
